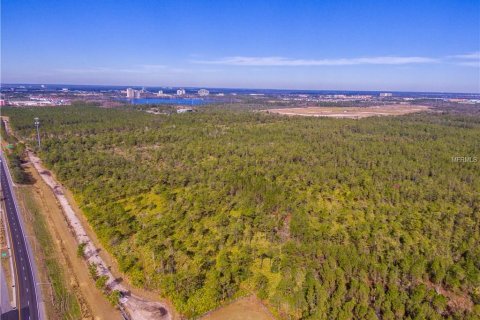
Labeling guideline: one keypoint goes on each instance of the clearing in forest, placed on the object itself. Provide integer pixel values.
(350, 112)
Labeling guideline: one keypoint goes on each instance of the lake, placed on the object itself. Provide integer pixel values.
(179, 101)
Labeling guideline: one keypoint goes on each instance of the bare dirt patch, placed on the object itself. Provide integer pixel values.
(248, 308)
(350, 112)
(456, 301)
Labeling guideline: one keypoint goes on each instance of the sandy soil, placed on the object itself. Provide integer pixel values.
(456, 301)
(350, 112)
(249, 308)
(6, 121)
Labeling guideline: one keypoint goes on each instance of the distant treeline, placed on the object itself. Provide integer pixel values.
(14, 156)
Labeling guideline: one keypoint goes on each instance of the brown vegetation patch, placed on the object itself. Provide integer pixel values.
(248, 308)
(456, 301)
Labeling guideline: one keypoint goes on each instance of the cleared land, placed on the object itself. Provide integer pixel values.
(350, 112)
(248, 308)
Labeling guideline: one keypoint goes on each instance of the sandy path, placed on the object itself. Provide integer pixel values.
(6, 121)
(137, 308)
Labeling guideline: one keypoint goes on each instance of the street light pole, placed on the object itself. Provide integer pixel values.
(37, 124)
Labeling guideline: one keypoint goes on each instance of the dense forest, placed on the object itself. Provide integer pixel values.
(320, 218)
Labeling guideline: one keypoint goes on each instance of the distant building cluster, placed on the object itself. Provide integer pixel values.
(134, 94)
(40, 95)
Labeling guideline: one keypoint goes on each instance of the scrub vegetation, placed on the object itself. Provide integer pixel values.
(320, 218)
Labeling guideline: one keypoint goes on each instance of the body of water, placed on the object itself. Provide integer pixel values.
(177, 101)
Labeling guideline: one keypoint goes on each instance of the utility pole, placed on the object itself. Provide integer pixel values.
(37, 124)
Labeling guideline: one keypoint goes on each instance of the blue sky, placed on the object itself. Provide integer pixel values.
(358, 45)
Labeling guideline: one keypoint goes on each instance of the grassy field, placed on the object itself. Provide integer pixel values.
(65, 304)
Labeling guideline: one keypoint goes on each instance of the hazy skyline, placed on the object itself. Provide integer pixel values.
(366, 45)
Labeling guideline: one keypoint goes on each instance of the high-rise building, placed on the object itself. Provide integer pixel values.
(180, 92)
(203, 92)
(385, 94)
(133, 94)
(160, 93)
(130, 93)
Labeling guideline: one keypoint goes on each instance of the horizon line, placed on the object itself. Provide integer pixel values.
(239, 88)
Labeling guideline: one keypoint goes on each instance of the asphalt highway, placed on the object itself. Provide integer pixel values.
(27, 297)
